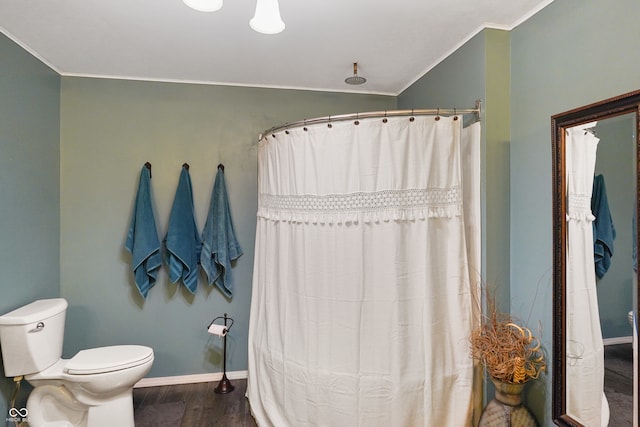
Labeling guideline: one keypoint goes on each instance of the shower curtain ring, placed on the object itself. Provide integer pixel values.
(438, 114)
(384, 120)
(357, 122)
(455, 114)
(411, 118)
(329, 125)
(305, 125)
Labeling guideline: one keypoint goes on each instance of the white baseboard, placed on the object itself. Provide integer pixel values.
(189, 379)
(240, 375)
(616, 340)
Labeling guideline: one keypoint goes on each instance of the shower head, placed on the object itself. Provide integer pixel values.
(355, 79)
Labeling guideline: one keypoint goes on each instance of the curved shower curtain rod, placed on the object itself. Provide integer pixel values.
(373, 114)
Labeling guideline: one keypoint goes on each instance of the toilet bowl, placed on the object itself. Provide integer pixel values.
(91, 389)
(98, 382)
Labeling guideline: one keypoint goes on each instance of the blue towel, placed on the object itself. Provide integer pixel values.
(219, 243)
(142, 240)
(603, 230)
(182, 241)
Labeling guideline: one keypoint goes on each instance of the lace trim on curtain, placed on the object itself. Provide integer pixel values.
(579, 207)
(376, 206)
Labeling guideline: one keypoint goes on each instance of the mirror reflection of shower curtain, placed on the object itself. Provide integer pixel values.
(362, 303)
(585, 348)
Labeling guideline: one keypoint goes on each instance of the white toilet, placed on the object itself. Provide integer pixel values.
(92, 389)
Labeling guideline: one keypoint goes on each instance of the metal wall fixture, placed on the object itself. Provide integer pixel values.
(372, 114)
(355, 79)
(266, 20)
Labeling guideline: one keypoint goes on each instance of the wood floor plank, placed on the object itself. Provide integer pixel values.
(195, 404)
(204, 407)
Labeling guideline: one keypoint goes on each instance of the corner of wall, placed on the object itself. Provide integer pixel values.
(496, 105)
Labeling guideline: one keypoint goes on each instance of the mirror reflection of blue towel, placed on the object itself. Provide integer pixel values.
(604, 232)
(219, 243)
(183, 241)
(142, 239)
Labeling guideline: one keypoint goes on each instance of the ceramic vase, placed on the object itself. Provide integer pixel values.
(507, 410)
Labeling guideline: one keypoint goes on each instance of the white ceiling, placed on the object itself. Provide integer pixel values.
(394, 41)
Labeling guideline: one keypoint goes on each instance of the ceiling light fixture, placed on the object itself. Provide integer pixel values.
(267, 17)
(355, 79)
(266, 20)
(204, 5)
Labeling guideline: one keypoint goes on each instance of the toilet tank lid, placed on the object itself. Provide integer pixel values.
(34, 312)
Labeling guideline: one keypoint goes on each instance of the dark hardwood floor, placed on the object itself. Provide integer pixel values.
(203, 407)
(618, 384)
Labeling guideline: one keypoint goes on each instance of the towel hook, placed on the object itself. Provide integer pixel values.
(148, 166)
(221, 167)
(186, 166)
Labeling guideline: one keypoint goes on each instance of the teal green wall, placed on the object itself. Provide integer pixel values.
(572, 53)
(479, 70)
(29, 184)
(109, 129)
(456, 82)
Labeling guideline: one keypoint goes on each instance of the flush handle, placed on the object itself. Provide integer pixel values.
(38, 328)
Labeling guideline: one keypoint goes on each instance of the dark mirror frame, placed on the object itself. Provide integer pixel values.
(623, 104)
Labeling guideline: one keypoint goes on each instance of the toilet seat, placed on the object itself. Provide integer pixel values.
(101, 360)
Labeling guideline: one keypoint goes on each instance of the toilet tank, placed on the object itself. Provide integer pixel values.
(31, 336)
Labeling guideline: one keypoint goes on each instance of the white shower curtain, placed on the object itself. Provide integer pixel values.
(584, 347)
(362, 301)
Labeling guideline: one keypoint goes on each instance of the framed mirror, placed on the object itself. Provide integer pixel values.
(595, 274)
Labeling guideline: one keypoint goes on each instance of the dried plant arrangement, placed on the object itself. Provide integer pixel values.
(510, 352)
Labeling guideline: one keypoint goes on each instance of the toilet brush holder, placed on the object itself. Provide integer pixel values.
(224, 386)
